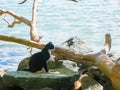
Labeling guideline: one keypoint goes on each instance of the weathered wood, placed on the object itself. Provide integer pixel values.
(21, 41)
(33, 31)
(19, 19)
(16, 16)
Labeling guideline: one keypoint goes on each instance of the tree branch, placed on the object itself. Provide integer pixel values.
(59, 52)
(21, 41)
(34, 12)
(33, 31)
(18, 19)
(16, 16)
(12, 24)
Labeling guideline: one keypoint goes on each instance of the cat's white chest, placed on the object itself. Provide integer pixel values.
(51, 56)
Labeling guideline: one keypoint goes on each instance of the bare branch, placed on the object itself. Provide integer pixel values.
(21, 41)
(18, 19)
(5, 19)
(108, 41)
(60, 53)
(13, 23)
(16, 16)
(34, 13)
(33, 32)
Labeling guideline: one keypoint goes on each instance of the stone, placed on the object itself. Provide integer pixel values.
(23, 64)
(65, 64)
(77, 45)
(89, 83)
(115, 58)
(59, 79)
(62, 75)
(100, 77)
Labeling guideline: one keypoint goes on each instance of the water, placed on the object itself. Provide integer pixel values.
(59, 20)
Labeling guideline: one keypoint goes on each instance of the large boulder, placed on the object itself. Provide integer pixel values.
(59, 79)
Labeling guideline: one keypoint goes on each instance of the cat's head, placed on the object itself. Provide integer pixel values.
(50, 46)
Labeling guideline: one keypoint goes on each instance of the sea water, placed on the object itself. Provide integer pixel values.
(59, 20)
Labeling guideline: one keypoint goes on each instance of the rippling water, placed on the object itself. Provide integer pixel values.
(59, 20)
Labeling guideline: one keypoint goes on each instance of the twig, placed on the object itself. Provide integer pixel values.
(13, 23)
(5, 19)
(16, 16)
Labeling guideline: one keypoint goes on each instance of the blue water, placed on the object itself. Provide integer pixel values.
(59, 20)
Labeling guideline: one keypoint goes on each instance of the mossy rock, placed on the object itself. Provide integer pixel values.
(23, 64)
(65, 64)
(51, 64)
(62, 76)
(32, 81)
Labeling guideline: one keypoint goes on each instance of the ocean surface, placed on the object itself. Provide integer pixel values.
(59, 20)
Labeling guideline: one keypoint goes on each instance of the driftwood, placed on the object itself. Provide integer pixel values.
(19, 19)
(100, 59)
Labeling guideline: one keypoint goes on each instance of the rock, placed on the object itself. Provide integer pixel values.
(86, 82)
(23, 64)
(32, 81)
(77, 45)
(115, 58)
(89, 83)
(70, 65)
(100, 77)
(63, 64)
(60, 72)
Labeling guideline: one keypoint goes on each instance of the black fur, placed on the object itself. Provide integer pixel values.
(39, 60)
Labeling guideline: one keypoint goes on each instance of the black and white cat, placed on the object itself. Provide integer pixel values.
(39, 60)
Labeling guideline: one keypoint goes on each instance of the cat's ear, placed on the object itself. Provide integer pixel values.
(50, 42)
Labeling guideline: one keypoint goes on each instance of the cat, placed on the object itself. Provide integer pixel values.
(39, 60)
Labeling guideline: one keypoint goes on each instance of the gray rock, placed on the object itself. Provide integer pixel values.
(62, 75)
(89, 83)
(114, 57)
(59, 79)
(63, 64)
(77, 45)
